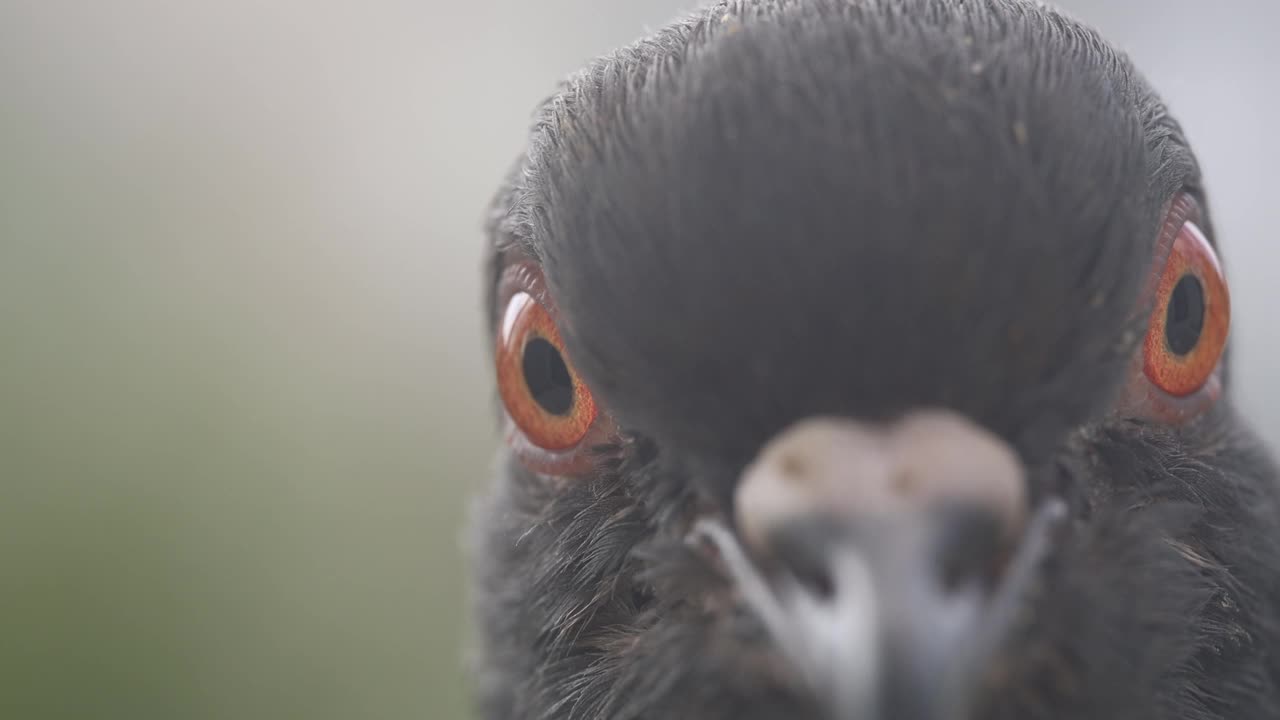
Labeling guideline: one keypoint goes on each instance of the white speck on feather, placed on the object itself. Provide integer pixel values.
(1020, 134)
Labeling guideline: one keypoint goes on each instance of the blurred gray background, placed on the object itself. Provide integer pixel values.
(243, 395)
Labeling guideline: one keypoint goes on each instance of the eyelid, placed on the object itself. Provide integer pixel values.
(525, 276)
(1182, 209)
(575, 462)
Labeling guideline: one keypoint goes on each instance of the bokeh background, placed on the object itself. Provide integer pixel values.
(243, 394)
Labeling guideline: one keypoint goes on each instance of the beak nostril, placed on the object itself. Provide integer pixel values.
(818, 581)
(802, 550)
(792, 467)
(905, 483)
(929, 500)
(968, 546)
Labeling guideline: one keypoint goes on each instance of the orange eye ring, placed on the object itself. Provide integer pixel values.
(542, 392)
(1190, 318)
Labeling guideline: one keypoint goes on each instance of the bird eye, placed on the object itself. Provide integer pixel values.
(1190, 318)
(555, 427)
(539, 387)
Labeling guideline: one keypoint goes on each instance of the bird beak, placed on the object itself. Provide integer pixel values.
(887, 562)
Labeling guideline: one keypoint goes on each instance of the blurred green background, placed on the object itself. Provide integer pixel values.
(243, 395)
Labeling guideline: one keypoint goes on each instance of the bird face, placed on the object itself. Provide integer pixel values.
(861, 361)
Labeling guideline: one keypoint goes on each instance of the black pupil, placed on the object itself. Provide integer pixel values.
(1185, 318)
(548, 376)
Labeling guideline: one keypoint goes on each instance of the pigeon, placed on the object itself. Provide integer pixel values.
(866, 360)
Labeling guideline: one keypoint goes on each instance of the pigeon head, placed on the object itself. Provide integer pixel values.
(865, 360)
